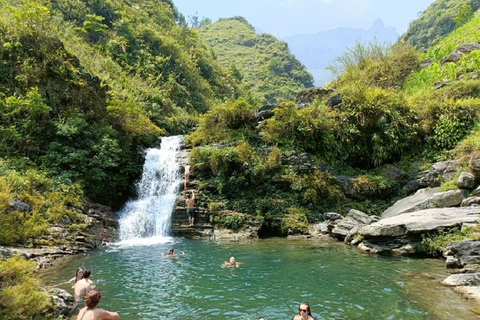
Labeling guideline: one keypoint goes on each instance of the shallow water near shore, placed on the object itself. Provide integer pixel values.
(337, 280)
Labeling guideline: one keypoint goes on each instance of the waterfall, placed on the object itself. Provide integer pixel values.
(147, 219)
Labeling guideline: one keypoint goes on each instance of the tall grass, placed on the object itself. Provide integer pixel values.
(358, 57)
(426, 79)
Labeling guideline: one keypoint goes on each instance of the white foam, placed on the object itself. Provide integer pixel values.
(146, 220)
(134, 242)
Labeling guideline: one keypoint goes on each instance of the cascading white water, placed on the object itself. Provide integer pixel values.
(147, 219)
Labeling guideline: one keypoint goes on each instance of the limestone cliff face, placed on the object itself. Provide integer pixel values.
(206, 226)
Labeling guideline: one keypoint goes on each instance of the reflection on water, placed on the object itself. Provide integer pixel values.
(276, 274)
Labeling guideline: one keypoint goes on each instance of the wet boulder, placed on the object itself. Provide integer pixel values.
(467, 254)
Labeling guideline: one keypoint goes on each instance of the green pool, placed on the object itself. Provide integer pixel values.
(276, 274)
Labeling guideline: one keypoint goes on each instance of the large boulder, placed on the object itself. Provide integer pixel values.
(438, 173)
(463, 255)
(474, 165)
(471, 202)
(264, 112)
(63, 302)
(470, 279)
(16, 205)
(345, 229)
(466, 180)
(307, 96)
(332, 216)
(426, 199)
(391, 235)
(462, 49)
(392, 172)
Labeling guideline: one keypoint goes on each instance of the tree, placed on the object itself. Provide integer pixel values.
(465, 13)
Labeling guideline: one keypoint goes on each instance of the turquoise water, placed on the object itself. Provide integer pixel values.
(337, 280)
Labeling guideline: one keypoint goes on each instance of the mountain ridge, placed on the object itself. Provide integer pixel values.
(317, 51)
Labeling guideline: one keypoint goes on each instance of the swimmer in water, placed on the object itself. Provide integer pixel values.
(231, 263)
(170, 253)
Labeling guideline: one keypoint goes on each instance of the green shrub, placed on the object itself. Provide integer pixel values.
(309, 129)
(213, 160)
(224, 123)
(230, 219)
(373, 185)
(314, 187)
(469, 144)
(238, 165)
(448, 115)
(179, 124)
(377, 126)
(435, 243)
(20, 294)
(22, 123)
(376, 64)
(52, 202)
(295, 221)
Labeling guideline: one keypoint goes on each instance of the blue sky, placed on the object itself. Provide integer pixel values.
(283, 18)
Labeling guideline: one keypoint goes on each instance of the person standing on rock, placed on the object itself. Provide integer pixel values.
(190, 201)
(188, 171)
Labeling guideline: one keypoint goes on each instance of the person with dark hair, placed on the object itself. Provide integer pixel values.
(78, 276)
(83, 286)
(171, 254)
(91, 311)
(304, 312)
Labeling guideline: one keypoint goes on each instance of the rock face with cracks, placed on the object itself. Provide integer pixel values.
(394, 233)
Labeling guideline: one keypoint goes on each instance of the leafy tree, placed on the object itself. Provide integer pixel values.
(85, 83)
(465, 13)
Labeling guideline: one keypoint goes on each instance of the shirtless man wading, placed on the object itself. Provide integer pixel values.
(83, 286)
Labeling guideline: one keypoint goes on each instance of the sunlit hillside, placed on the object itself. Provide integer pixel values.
(438, 20)
(467, 67)
(268, 71)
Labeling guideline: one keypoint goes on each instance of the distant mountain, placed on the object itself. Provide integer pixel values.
(317, 51)
(262, 63)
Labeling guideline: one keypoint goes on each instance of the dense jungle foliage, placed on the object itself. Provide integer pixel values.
(269, 73)
(438, 20)
(383, 109)
(85, 86)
